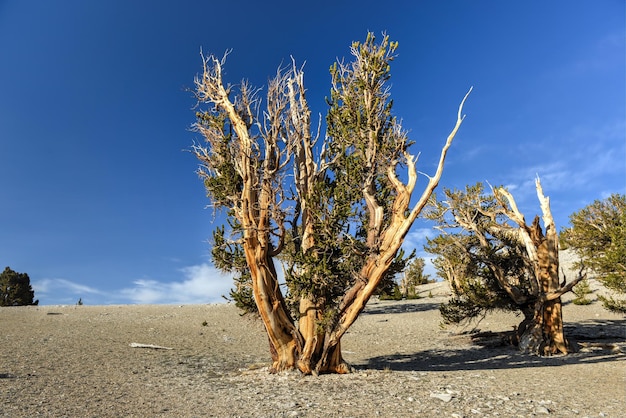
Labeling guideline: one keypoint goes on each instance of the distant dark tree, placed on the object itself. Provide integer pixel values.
(15, 289)
(598, 236)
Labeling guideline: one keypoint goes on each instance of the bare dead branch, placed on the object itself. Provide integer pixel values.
(434, 181)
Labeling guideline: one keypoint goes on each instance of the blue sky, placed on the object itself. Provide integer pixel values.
(100, 201)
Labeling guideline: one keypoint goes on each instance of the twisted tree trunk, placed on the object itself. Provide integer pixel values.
(281, 332)
(543, 334)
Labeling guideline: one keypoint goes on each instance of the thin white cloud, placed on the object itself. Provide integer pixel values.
(416, 238)
(62, 291)
(586, 158)
(46, 286)
(202, 284)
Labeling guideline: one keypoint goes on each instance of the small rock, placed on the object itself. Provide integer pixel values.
(542, 410)
(446, 397)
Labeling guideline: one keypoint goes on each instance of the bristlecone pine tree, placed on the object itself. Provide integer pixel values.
(335, 215)
(494, 260)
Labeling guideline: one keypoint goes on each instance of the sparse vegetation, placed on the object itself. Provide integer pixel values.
(412, 277)
(396, 294)
(581, 290)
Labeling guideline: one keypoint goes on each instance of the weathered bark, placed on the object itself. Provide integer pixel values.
(543, 334)
(310, 316)
(274, 313)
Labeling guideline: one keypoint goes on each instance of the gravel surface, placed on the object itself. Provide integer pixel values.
(71, 361)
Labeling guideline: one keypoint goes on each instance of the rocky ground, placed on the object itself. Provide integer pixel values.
(70, 361)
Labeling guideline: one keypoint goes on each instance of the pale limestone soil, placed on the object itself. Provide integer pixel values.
(76, 361)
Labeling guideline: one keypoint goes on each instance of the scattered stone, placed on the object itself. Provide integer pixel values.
(446, 397)
(542, 410)
(85, 357)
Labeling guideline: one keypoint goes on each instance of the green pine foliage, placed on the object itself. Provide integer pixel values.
(15, 289)
(581, 290)
(465, 261)
(393, 294)
(598, 236)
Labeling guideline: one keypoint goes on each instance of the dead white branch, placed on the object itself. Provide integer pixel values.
(152, 346)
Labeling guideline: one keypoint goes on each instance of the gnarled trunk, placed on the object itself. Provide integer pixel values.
(317, 355)
(308, 348)
(543, 334)
(281, 332)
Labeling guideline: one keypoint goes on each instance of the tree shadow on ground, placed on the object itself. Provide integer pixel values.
(394, 307)
(598, 341)
(597, 329)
